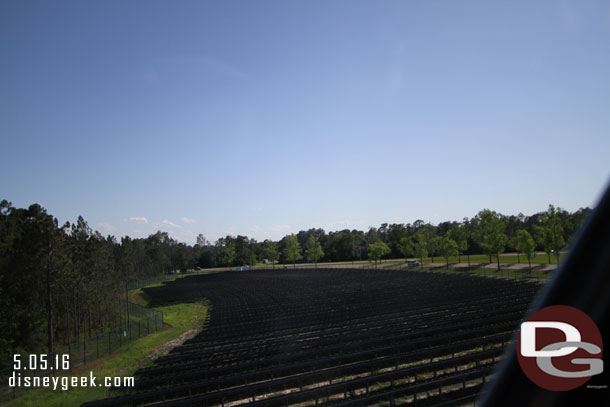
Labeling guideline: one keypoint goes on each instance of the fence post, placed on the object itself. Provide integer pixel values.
(98, 345)
(84, 351)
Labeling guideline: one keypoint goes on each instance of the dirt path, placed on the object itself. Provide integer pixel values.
(172, 343)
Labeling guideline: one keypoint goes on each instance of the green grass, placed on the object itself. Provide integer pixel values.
(123, 362)
(506, 258)
(325, 264)
(509, 258)
(492, 272)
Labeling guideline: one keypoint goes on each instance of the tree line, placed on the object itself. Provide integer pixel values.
(63, 283)
(488, 232)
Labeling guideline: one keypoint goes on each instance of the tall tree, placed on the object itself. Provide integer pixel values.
(525, 244)
(270, 252)
(406, 246)
(292, 249)
(425, 239)
(313, 250)
(459, 234)
(489, 231)
(435, 246)
(447, 248)
(395, 233)
(378, 250)
(512, 242)
(202, 241)
(420, 249)
(228, 254)
(552, 233)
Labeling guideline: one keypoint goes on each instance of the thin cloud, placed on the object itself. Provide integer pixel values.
(104, 227)
(141, 220)
(169, 223)
(188, 221)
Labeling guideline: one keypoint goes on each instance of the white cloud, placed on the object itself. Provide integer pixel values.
(169, 223)
(104, 228)
(137, 219)
(279, 228)
(188, 221)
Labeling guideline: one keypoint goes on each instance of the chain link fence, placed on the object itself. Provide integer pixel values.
(141, 322)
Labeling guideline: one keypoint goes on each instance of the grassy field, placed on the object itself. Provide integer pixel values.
(125, 361)
(493, 272)
(505, 258)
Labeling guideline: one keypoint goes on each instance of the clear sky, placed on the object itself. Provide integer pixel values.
(265, 118)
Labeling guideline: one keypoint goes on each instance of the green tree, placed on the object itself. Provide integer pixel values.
(489, 231)
(340, 245)
(447, 248)
(526, 245)
(425, 240)
(270, 252)
(459, 234)
(228, 254)
(313, 250)
(406, 246)
(244, 253)
(434, 246)
(292, 249)
(202, 241)
(550, 235)
(377, 250)
(420, 250)
(512, 242)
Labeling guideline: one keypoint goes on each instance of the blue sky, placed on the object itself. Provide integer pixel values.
(264, 118)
